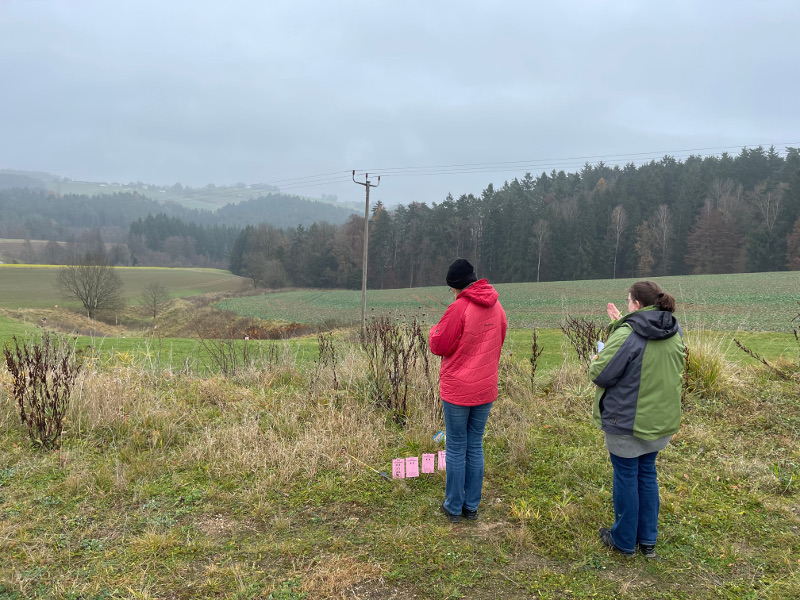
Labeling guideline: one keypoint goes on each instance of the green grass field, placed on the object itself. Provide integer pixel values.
(751, 302)
(30, 286)
(719, 307)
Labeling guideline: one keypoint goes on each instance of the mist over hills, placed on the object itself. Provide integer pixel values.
(210, 197)
(38, 205)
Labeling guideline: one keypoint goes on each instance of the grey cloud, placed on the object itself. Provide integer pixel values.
(204, 92)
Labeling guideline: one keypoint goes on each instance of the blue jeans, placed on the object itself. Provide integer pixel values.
(636, 501)
(464, 427)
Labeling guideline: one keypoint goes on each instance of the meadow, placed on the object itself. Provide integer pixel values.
(750, 302)
(756, 308)
(190, 483)
(34, 286)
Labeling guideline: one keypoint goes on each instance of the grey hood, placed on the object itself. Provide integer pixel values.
(652, 324)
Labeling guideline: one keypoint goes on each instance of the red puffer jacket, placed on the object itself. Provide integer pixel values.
(469, 337)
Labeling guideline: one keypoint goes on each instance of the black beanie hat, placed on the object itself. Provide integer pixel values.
(460, 274)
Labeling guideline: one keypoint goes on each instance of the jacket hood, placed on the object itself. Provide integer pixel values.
(651, 323)
(480, 292)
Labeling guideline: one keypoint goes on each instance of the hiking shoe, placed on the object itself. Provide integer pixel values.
(453, 518)
(468, 514)
(605, 537)
(649, 550)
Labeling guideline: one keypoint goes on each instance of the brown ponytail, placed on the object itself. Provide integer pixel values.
(649, 293)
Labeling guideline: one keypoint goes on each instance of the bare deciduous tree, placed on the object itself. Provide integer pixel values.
(768, 204)
(645, 239)
(541, 231)
(93, 283)
(662, 227)
(619, 223)
(155, 298)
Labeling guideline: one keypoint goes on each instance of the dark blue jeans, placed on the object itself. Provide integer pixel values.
(636, 501)
(464, 427)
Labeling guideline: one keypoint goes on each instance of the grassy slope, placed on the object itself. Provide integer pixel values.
(179, 487)
(28, 286)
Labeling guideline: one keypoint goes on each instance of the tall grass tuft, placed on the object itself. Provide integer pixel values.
(708, 373)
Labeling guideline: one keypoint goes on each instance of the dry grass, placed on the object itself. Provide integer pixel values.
(333, 576)
(710, 375)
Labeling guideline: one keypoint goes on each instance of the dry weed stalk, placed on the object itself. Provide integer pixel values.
(43, 375)
(393, 351)
(326, 359)
(796, 331)
(536, 352)
(584, 334)
(781, 373)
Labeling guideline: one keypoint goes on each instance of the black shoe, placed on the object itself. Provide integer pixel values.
(605, 536)
(453, 518)
(649, 550)
(468, 514)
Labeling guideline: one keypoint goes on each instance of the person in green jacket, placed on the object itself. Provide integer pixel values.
(639, 374)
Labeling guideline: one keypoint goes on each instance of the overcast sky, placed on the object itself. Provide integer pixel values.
(227, 91)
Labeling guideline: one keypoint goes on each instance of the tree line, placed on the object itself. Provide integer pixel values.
(716, 214)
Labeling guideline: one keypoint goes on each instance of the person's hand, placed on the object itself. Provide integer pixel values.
(612, 311)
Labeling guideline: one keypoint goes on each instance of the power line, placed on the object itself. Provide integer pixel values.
(339, 173)
(658, 153)
(538, 163)
(610, 160)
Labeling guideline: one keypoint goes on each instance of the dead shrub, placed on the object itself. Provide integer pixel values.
(42, 375)
(394, 352)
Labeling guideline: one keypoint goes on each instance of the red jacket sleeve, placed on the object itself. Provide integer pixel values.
(445, 335)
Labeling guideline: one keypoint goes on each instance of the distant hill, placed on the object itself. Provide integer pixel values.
(12, 180)
(209, 198)
(44, 215)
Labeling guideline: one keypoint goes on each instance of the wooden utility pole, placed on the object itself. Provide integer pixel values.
(366, 183)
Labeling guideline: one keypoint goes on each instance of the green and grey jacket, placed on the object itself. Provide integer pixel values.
(639, 374)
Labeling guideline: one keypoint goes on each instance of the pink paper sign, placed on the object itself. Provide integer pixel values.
(412, 466)
(427, 463)
(442, 459)
(398, 468)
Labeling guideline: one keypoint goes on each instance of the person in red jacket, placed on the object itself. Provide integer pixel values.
(469, 338)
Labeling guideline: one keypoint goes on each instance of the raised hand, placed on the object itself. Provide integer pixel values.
(612, 311)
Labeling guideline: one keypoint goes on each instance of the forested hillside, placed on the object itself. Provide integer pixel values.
(141, 231)
(717, 214)
(36, 214)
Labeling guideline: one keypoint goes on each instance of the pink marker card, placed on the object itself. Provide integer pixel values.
(427, 463)
(398, 468)
(412, 466)
(442, 459)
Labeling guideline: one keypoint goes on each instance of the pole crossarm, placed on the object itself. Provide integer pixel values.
(367, 183)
